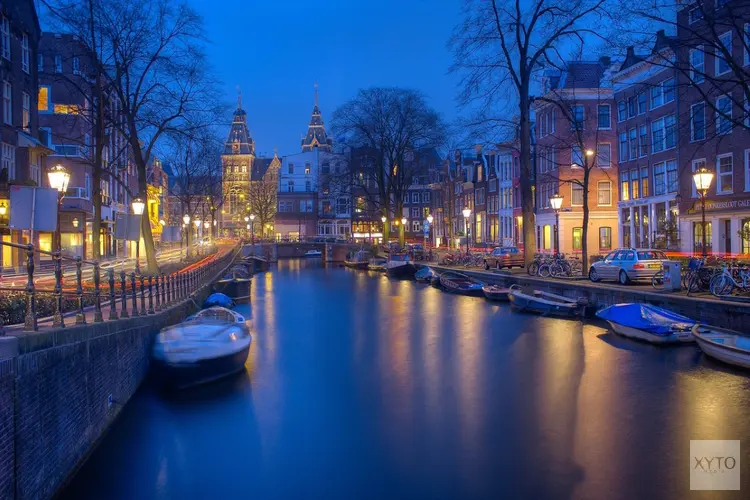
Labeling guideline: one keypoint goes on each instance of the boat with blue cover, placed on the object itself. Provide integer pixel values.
(425, 275)
(218, 299)
(647, 322)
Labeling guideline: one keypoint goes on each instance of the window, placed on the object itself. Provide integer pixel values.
(723, 115)
(722, 62)
(9, 160)
(634, 182)
(308, 186)
(643, 140)
(657, 98)
(669, 132)
(668, 90)
(747, 170)
(657, 135)
(672, 181)
(67, 109)
(605, 238)
(290, 186)
(415, 197)
(577, 117)
(414, 212)
(553, 121)
(7, 103)
(58, 63)
(698, 121)
(40, 63)
(76, 66)
(631, 107)
(633, 143)
(697, 65)
(698, 237)
(697, 165)
(577, 238)
(290, 168)
(5, 37)
(621, 115)
(576, 157)
(623, 151)
(724, 171)
(660, 185)
(26, 112)
(426, 194)
(416, 226)
(747, 44)
(604, 155)
(662, 93)
(644, 181)
(307, 170)
(604, 193)
(576, 195)
(604, 116)
(641, 103)
(87, 185)
(25, 54)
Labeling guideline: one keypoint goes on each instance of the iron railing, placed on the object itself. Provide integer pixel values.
(155, 291)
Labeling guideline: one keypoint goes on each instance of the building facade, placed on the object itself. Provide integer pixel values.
(236, 164)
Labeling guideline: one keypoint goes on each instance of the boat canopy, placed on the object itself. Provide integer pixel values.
(646, 317)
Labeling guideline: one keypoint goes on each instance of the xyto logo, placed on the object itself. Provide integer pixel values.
(714, 464)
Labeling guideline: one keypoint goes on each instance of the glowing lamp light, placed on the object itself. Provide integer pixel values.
(162, 222)
(138, 205)
(197, 222)
(214, 223)
(589, 152)
(383, 219)
(466, 212)
(702, 179)
(430, 218)
(555, 201)
(247, 218)
(58, 178)
(75, 222)
(403, 220)
(248, 227)
(3, 208)
(186, 219)
(206, 224)
(252, 216)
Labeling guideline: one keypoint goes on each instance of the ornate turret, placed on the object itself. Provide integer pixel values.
(316, 133)
(239, 141)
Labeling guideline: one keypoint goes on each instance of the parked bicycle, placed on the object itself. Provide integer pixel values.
(732, 276)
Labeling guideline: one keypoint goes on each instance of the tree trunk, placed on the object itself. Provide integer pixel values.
(152, 266)
(585, 229)
(527, 191)
(386, 228)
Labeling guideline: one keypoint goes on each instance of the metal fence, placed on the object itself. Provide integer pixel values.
(154, 292)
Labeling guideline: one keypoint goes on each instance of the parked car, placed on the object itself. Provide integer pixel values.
(628, 264)
(502, 257)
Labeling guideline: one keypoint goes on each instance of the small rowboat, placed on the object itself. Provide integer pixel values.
(546, 303)
(425, 275)
(725, 345)
(650, 323)
(462, 284)
(400, 267)
(358, 260)
(496, 293)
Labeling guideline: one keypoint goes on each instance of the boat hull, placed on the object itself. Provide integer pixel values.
(189, 374)
(721, 345)
(469, 292)
(637, 333)
(356, 265)
(405, 271)
(526, 303)
(729, 356)
(238, 289)
(496, 294)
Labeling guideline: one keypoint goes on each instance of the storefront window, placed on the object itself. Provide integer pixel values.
(625, 218)
(746, 236)
(698, 237)
(547, 240)
(577, 239)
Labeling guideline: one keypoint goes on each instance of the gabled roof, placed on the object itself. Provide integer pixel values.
(316, 132)
(261, 166)
(239, 140)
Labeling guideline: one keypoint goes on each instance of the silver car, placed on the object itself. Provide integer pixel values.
(628, 264)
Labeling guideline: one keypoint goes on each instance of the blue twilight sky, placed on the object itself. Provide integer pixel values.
(275, 50)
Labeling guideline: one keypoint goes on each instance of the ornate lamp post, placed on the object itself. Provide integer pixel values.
(702, 179)
(58, 177)
(404, 221)
(252, 230)
(467, 213)
(555, 202)
(186, 229)
(138, 207)
(430, 218)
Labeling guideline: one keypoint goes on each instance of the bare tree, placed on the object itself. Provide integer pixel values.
(499, 48)
(263, 197)
(395, 123)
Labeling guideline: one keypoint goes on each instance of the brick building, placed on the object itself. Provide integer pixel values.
(574, 128)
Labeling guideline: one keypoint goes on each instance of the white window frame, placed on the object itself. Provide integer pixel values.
(692, 19)
(609, 124)
(598, 190)
(695, 165)
(699, 77)
(25, 53)
(717, 53)
(642, 148)
(8, 155)
(5, 37)
(609, 154)
(720, 117)
(574, 116)
(645, 102)
(7, 103)
(662, 143)
(573, 186)
(624, 109)
(719, 174)
(692, 129)
(25, 111)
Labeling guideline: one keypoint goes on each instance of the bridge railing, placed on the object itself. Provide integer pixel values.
(118, 292)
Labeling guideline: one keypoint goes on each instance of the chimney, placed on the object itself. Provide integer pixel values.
(605, 61)
(631, 53)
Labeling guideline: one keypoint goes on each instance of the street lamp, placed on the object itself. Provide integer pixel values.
(555, 202)
(467, 213)
(138, 207)
(430, 218)
(3, 209)
(702, 179)
(251, 227)
(58, 177)
(404, 220)
(162, 222)
(206, 224)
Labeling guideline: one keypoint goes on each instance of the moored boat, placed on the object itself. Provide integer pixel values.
(236, 285)
(454, 282)
(313, 253)
(650, 323)
(425, 275)
(357, 260)
(208, 346)
(725, 345)
(377, 264)
(496, 293)
(546, 303)
(218, 299)
(400, 267)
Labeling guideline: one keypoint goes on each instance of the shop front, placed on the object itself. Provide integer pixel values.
(649, 222)
(727, 228)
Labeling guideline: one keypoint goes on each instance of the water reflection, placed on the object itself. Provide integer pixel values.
(358, 386)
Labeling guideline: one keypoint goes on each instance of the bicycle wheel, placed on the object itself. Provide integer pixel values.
(544, 271)
(556, 270)
(721, 285)
(658, 280)
(533, 268)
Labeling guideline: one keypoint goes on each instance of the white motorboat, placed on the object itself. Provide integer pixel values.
(210, 345)
(313, 253)
(725, 345)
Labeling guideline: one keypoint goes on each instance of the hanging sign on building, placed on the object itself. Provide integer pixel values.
(33, 208)
(128, 227)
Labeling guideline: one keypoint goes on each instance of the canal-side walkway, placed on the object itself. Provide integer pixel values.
(705, 308)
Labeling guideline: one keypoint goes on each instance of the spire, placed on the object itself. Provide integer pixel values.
(239, 141)
(239, 97)
(316, 95)
(316, 133)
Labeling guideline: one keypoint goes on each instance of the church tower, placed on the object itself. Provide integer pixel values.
(316, 133)
(237, 164)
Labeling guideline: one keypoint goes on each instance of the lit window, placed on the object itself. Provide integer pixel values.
(67, 109)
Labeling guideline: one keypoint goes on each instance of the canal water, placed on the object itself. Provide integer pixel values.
(361, 387)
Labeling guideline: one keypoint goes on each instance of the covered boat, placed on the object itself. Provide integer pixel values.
(377, 264)
(218, 299)
(208, 346)
(546, 303)
(725, 345)
(400, 267)
(358, 260)
(646, 322)
(454, 282)
(496, 293)
(425, 275)
(313, 253)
